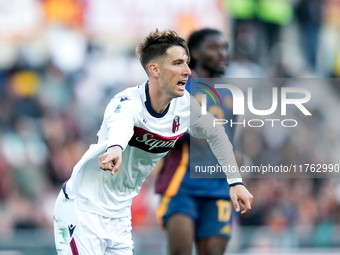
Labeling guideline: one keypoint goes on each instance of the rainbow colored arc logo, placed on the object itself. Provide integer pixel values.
(209, 93)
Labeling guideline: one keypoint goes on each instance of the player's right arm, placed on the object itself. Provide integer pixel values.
(111, 159)
(117, 130)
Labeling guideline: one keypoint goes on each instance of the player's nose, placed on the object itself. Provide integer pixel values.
(187, 70)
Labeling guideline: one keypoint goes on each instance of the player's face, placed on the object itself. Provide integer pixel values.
(174, 72)
(213, 54)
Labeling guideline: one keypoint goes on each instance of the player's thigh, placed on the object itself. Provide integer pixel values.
(211, 246)
(118, 236)
(214, 218)
(123, 251)
(65, 220)
(181, 234)
(180, 213)
(75, 232)
(182, 203)
(104, 235)
(213, 227)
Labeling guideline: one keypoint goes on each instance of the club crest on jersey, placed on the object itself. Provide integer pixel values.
(175, 124)
(117, 110)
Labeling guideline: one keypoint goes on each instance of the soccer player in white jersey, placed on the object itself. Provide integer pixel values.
(92, 213)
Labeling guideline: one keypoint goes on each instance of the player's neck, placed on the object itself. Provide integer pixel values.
(159, 101)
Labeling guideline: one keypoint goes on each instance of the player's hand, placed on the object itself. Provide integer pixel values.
(240, 196)
(111, 159)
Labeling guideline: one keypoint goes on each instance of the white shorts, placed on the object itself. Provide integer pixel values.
(78, 232)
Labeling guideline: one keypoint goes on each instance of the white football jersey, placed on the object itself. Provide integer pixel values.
(145, 136)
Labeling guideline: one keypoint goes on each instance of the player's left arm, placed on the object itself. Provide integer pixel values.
(202, 126)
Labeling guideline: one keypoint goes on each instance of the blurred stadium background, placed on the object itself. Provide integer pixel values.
(62, 60)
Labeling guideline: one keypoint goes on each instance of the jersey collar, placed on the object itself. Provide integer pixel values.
(149, 107)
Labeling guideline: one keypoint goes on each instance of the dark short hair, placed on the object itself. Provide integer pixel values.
(197, 38)
(156, 44)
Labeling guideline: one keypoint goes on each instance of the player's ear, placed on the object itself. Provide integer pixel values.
(154, 69)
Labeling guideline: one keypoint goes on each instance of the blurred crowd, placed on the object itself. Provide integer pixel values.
(57, 76)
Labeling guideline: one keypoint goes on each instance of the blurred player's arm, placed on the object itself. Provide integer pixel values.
(202, 127)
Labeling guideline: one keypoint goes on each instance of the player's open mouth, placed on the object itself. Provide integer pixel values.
(181, 83)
